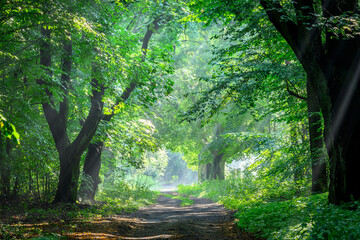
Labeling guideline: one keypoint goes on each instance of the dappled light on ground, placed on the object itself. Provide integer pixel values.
(167, 219)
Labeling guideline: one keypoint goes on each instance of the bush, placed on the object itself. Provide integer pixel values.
(128, 194)
(275, 213)
(336, 222)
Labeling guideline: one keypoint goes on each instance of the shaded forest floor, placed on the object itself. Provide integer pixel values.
(167, 219)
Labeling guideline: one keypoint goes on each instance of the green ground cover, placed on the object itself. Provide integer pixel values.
(290, 216)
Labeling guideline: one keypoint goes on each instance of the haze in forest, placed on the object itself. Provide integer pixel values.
(252, 104)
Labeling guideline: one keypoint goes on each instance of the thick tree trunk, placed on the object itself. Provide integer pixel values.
(69, 177)
(318, 158)
(69, 153)
(213, 170)
(216, 168)
(333, 69)
(204, 172)
(343, 137)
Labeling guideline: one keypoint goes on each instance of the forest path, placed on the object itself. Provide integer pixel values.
(202, 220)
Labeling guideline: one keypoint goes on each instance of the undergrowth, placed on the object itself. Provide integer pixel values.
(127, 194)
(122, 196)
(279, 210)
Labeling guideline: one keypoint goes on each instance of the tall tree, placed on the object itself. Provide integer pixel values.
(56, 102)
(332, 67)
(215, 169)
(92, 162)
(69, 152)
(318, 32)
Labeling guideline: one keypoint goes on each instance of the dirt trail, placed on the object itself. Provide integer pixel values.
(168, 220)
(203, 220)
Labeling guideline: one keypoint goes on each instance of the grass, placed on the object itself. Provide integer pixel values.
(48, 221)
(185, 200)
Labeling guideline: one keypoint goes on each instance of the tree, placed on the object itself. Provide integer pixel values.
(215, 169)
(334, 77)
(296, 22)
(8, 136)
(143, 76)
(318, 158)
(70, 151)
(92, 162)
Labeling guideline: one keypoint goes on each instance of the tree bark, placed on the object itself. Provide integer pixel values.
(218, 165)
(70, 157)
(318, 158)
(69, 153)
(216, 168)
(333, 70)
(92, 166)
(5, 169)
(204, 172)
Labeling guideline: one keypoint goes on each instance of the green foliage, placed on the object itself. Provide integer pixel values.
(127, 193)
(335, 222)
(279, 212)
(155, 164)
(8, 130)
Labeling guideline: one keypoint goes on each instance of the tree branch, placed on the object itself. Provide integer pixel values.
(91, 123)
(292, 93)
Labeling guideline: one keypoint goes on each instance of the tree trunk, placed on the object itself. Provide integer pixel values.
(205, 172)
(69, 153)
(92, 166)
(69, 177)
(343, 145)
(333, 70)
(218, 163)
(30, 182)
(15, 189)
(70, 157)
(5, 182)
(318, 158)
(5, 167)
(218, 166)
(213, 170)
